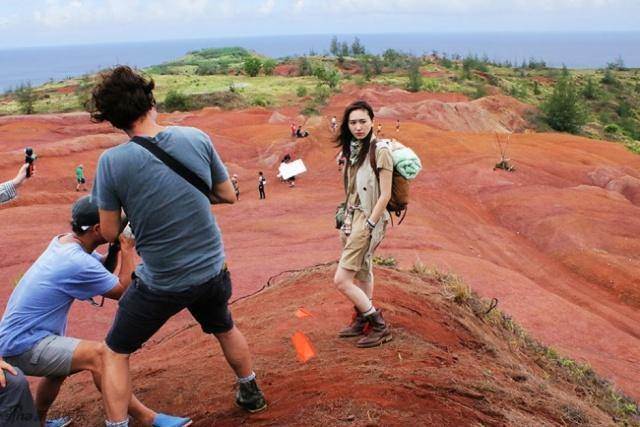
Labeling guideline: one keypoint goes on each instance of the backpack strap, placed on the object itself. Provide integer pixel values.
(175, 165)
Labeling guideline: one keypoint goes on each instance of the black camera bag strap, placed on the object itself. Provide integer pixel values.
(174, 164)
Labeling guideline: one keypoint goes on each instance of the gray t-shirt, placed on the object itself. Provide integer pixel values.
(176, 232)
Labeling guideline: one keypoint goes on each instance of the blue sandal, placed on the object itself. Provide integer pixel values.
(59, 422)
(164, 420)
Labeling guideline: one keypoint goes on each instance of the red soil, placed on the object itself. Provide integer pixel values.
(286, 70)
(444, 366)
(556, 241)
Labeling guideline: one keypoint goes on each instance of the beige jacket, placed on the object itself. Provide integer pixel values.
(368, 188)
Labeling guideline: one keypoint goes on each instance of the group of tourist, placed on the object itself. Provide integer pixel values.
(183, 259)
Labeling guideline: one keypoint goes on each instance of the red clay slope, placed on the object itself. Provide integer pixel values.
(444, 367)
(556, 242)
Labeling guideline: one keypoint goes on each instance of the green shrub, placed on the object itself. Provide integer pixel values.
(310, 110)
(624, 109)
(415, 77)
(301, 91)
(327, 74)
(563, 110)
(536, 88)
(612, 128)
(251, 66)
(268, 66)
(176, 101)
(260, 101)
(446, 62)
(223, 99)
(322, 94)
(304, 66)
(26, 98)
(609, 78)
(430, 85)
(590, 89)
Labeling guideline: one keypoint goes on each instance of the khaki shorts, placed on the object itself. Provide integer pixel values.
(358, 247)
(50, 357)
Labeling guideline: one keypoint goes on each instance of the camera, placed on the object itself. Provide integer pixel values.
(29, 157)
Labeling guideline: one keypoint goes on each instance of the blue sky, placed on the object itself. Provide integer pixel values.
(60, 22)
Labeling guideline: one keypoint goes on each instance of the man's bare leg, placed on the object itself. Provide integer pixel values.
(236, 351)
(116, 385)
(89, 356)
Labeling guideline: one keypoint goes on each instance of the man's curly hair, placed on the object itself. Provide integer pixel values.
(121, 97)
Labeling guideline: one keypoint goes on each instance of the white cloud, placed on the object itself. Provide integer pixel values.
(438, 7)
(267, 7)
(298, 5)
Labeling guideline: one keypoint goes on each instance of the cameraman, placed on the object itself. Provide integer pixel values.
(8, 190)
(33, 328)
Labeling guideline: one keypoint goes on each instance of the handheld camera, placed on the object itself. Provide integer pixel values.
(29, 157)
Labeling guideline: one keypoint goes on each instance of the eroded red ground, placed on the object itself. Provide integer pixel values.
(556, 241)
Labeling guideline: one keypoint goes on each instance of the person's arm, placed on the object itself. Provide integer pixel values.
(127, 266)
(8, 189)
(4, 366)
(385, 177)
(223, 192)
(110, 222)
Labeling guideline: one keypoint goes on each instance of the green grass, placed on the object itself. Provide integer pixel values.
(279, 90)
(616, 106)
(592, 388)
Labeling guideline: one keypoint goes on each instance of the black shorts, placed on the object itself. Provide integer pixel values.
(143, 310)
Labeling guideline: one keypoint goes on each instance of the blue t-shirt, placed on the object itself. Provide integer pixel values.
(176, 233)
(40, 303)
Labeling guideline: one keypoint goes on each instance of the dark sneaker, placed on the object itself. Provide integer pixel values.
(250, 398)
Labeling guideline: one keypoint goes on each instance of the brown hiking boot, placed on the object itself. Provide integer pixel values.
(379, 332)
(356, 328)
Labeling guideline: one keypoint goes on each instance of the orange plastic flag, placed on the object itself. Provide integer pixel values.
(301, 313)
(303, 346)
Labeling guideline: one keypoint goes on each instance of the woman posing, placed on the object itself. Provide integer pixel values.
(367, 193)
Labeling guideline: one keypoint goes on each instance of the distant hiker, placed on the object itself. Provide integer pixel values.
(33, 328)
(379, 130)
(291, 180)
(300, 133)
(334, 124)
(261, 182)
(80, 179)
(183, 259)
(397, 125)
(236, 186)
(293, 130)
(285, 160)
(363, 221)
(8, 189)
(16, 403)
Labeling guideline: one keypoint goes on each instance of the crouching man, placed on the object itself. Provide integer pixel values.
(32, 330)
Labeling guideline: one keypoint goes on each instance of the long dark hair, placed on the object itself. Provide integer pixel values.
(344, 137)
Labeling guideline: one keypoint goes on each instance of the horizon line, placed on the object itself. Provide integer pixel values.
(254, 36)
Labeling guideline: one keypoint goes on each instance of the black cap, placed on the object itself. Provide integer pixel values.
(84, 213)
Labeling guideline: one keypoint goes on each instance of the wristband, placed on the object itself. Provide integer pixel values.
(371, 225)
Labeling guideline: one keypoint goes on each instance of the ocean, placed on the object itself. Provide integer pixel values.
(575, 50)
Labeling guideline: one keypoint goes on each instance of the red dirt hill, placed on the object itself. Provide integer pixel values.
(445, 366)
